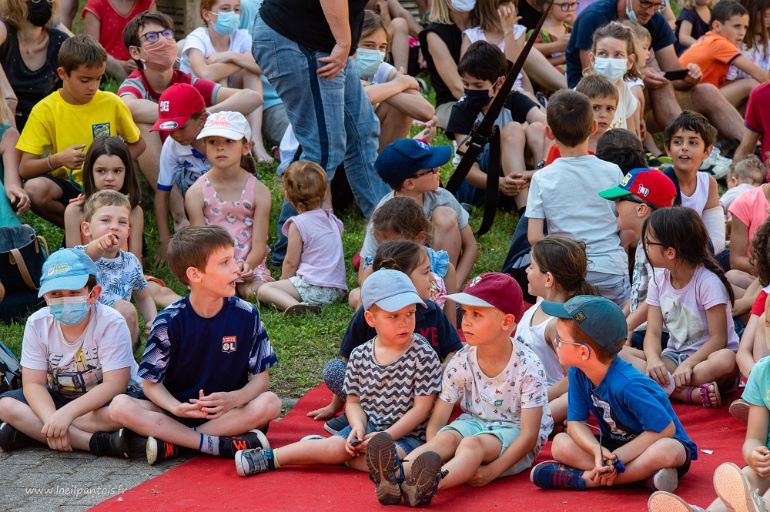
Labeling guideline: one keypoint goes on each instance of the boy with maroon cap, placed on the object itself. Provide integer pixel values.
(181, 116)
(501, 388)
(640, 193)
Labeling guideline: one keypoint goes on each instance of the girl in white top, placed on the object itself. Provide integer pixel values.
(221, 52)
(690, 295)
(614, 56)
(556, 273)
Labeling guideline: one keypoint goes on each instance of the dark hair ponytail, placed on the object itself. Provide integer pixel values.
(403, 255)
(566, 260)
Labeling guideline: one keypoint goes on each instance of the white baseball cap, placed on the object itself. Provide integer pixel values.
(230, 125)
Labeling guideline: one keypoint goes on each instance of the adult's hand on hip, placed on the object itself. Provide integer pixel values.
(335, 62)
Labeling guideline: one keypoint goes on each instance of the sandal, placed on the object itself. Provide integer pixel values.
(705, 396)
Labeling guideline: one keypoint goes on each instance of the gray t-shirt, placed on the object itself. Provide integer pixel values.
(566, 195)
(430, 201)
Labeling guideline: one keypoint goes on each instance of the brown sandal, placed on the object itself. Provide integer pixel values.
(705, 395)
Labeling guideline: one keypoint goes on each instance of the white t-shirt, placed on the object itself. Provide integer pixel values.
(566, 195)
(199, 39)
(731, 195)
(74, 368)
(684, 309)
(533, 336)
(498, 400)
(180, 165)
(627, 105)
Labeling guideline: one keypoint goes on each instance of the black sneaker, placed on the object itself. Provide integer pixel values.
(385, 468)
(334, 425)
(158, 451)
(11, 439)
(419, 489)
(229, 445)
(112, 444)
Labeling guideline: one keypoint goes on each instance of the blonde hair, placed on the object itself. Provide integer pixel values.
(15, 12)
(105, 198)
(439, 13)
(616, 30)
(749, 170)
(489, 20)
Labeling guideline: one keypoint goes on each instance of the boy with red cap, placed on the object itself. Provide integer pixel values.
(641, 192)
(501, 388)
(181, 116)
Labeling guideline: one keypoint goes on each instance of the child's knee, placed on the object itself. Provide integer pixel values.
(128, 311)
(398, 26)
(512, 133)
(472, 444)
(41, 189)
(562, 444)
(122, 408)
(9, 409)
(266, 405)
(444, 218)
(668, 453)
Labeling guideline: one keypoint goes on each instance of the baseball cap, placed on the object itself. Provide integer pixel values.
(492, 290)
(66, 269)
(402, 159)
(601, 319)
(649, 185)
(390, 290)
(176, 105)
(230, 125)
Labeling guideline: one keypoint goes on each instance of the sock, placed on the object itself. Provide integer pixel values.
(209, 444)
(272, 460)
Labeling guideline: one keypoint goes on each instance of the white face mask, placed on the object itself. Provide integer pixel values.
(368, 61)
(462, 5)
(612, 69)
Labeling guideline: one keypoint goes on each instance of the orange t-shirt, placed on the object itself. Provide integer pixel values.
(714, 54)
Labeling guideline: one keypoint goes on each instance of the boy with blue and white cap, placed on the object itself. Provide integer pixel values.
(640, 437)
(76, 357)
(391, 382)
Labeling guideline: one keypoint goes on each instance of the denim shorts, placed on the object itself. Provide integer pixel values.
(406, 443)
(467, 426)
(677, 357)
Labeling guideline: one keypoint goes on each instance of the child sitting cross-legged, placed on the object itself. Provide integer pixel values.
(205, 368)
(640, 436)
(500, 384)
(397, 365)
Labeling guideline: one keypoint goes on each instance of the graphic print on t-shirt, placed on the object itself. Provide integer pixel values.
(617, 432)
(684, 325)
(75, 377)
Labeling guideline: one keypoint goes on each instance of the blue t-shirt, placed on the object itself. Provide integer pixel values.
(757, 390)
(597, 15)
(625, 404)
(430, 322)
(187, 352)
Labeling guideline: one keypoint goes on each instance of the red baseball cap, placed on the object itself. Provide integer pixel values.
(649, 185)
(176, 105)
(492, 290)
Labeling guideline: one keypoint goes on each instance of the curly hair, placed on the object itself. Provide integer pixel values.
(400, 216)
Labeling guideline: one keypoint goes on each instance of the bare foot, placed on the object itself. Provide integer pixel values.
(262, 156)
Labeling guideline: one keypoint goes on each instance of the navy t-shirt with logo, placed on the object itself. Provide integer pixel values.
(187, 352)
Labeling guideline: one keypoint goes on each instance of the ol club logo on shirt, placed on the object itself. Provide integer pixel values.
(229, 344)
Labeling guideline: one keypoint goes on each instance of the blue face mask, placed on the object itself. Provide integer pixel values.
(368, 61)
(476, 98)
(69, 310)
(613, 69)
(227, 23)
(630, 13)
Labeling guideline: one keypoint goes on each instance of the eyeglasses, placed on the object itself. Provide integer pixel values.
(435, 170)
(567, 6)
(49, 2)
(635, 200)
(647, 242)
(647, 6)
(560, 341)
(152, 37)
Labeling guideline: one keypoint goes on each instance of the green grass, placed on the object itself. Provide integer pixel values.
(303, 344)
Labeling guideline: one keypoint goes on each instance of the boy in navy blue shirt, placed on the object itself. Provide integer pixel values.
(205, 368)
(640, 436)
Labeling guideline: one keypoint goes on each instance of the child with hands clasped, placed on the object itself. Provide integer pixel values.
(397, 364)
(501, 386)
(230, 197)
(640, 436)
(690, 296)
(76, 357)
(105, 224)
(313, 272)
(205, 367)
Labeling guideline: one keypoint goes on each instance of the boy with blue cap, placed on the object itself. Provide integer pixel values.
(640, 436)
(391, 382)
(76, 357)
(412, 169)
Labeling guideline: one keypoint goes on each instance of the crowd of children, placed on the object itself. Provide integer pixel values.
(637, 285)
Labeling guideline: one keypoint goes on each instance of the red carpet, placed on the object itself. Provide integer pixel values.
(206, 483)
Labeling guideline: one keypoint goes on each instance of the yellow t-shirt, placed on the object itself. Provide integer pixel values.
(54, 125)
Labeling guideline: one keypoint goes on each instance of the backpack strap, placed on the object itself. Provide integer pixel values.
(18, 260)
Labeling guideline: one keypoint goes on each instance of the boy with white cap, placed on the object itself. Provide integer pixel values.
(75, 357)
(391, 382)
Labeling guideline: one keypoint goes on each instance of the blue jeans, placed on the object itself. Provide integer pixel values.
(332, 118)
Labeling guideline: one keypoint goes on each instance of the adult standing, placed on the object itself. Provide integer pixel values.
(304, 48)
(29, 53)
(705, 98)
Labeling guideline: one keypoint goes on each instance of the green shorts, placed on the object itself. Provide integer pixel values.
(467, 426)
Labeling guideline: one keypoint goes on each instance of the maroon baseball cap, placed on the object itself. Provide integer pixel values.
(492, 290)
(176, 105)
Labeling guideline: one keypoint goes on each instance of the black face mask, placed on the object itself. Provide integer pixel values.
(39, 12)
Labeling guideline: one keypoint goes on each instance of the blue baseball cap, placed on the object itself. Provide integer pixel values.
(402, 159)
(390, 290)
(601, 319)
(66, 269)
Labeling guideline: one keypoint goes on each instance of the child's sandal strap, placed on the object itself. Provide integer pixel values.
(705, 395)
